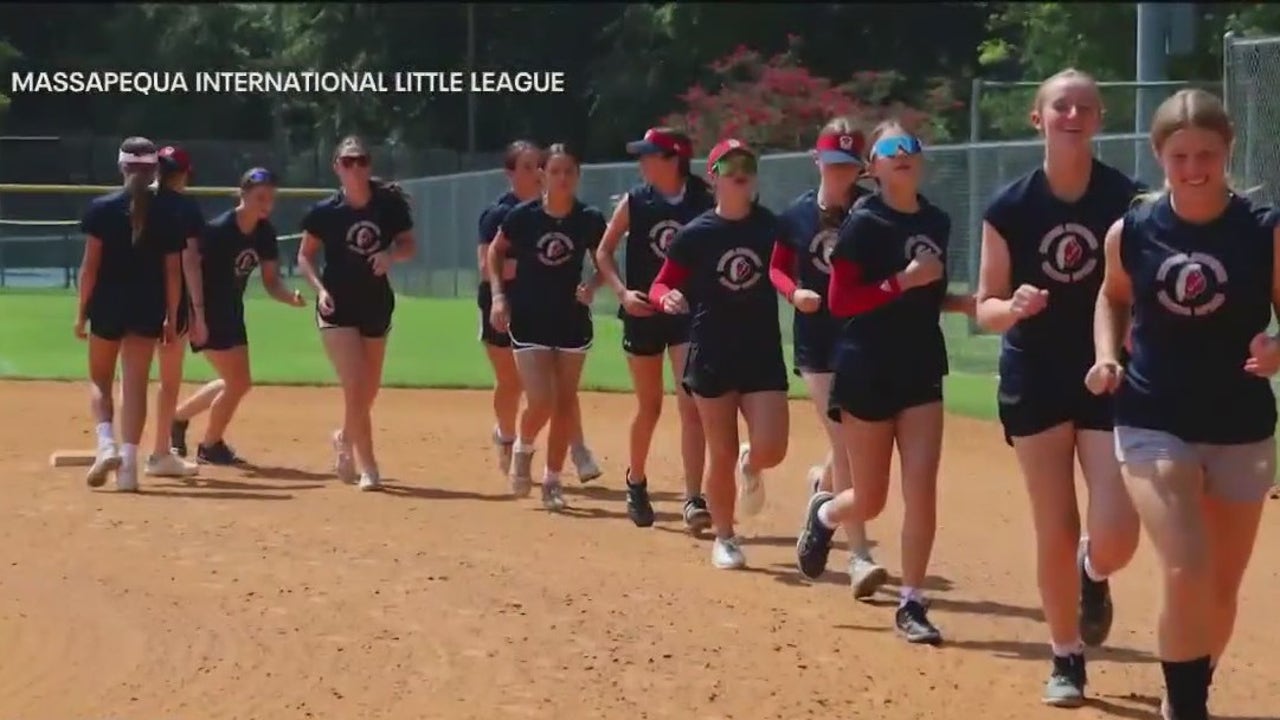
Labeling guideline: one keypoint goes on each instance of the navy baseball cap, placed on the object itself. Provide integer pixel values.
(840, 148)
(254, 177)
(662, 141)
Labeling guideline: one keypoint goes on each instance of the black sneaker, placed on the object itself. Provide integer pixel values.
(697, 518)
(813, 547)
(218, 453)
(1096, 611)
(178, 437)
(639, 508)
(912, 620)
(1065, 687)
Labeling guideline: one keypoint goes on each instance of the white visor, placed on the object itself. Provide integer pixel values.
(126, 158)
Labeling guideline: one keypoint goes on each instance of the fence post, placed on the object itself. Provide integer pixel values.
(975, 202)
(3, 243)
(68, 258)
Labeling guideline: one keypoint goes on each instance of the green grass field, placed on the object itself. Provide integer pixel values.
(433, 345)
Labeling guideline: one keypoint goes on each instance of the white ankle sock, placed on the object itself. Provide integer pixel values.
(129, 454)
(522, 447)
(1094, 575)
(106, 433)
(550, 478)
(824, 516)
(908, 594)
(1072, 648)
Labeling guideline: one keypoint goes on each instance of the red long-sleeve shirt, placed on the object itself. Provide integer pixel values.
(782, 269)
(670, 276)
(850, 294)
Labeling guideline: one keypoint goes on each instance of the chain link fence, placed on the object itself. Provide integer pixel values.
(1251, 76)
(961, 180)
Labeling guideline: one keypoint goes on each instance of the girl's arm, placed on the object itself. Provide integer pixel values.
(273, 283)
(1115, 301)
(606, 263)
(849, 293)
(403, 246)
(672, 276)
(782, 269)
(191, 272)
(308, 249)
(88, 278)
(172, 287)
(994, 309)
(497, 254)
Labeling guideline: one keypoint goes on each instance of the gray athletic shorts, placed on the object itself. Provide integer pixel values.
(1233, 473)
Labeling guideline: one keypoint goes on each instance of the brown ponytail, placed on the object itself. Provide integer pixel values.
(137, 181)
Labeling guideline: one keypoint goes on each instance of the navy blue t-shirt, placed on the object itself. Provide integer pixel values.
(550, 253)
(1200, 295)
(734, 307)
(351, 235)
(134, 273)
(1058, 247)
(812, 235)
(654, 222)
(904, 334)
(228, 257)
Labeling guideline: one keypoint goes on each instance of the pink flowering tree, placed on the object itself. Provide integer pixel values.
(775, 104)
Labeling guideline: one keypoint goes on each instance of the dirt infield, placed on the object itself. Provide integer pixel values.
(282, 593)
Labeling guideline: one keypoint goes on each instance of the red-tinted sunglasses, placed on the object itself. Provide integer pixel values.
(350, 161)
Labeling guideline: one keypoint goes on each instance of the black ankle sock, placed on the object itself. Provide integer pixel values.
(1187, 686)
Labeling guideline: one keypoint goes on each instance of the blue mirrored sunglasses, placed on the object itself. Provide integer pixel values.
(890, 146)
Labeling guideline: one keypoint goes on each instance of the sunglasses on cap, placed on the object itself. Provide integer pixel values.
(897, 144)
(350, 161)
(739, 164)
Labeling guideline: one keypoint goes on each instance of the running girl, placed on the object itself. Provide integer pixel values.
(649, 215)
(231, 246)
(800, 269)
(1196, 269)
(716, 270)
(888, 277)
(166, 459)
(548, 314)
(363, 229)
(1040, 273)
(523, 165)
(130, 286)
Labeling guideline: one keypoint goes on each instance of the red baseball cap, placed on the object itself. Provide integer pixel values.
(840, 148)
(174, 159)
(661, 141)
(724, 148)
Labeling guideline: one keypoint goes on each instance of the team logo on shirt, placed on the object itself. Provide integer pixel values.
(661, 235)
(363, 238)
(740, 269)
(918, 244)
(1069, 253)
(246, 261)
(1191, 284)
(820, 248)
(555, 248)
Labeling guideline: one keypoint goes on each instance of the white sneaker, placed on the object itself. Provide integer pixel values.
(343, 463)
(503, 448)
(521, 473)
(553, 496)
(750, 486)
(585, 463)
(865, 576)
(170, 465)
(370, 482)
(727, 555)
(815, 478)
(105, 462)
(127, 478)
